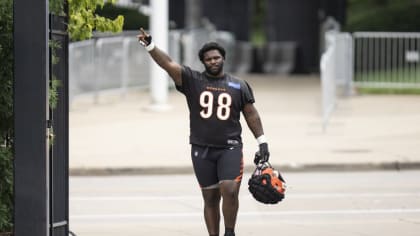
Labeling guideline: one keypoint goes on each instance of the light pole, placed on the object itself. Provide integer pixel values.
(159, 78)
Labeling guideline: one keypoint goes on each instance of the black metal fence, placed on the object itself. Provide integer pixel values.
(41, 180)
(59, 153)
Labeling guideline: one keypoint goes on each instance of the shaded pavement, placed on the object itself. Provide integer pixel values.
(365, 131)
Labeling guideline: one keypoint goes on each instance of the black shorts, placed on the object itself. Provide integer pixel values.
(212, 165)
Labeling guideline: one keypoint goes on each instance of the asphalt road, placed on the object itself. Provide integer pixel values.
(330, 203)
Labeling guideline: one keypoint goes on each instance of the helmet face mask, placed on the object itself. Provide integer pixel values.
(266, 184)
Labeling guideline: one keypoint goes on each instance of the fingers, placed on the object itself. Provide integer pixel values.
(143, 32)
(141, 37)
(266, 157)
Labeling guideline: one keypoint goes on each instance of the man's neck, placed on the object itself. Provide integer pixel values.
(219, 76)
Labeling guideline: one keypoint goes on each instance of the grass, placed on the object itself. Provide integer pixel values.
(402, 75)
(400, 91)
(401, 81)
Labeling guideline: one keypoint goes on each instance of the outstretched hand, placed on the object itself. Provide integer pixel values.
(144, 38)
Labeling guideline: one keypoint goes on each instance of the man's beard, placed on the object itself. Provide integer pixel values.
(214, 72)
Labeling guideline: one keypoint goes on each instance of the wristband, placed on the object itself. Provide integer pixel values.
(150, 47)
(261, 139)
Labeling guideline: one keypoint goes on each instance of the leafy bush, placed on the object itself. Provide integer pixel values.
(6, 115)
(6, 189)
(83, 19)
(383, 15)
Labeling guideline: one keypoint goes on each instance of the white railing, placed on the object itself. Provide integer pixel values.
(106, 64)
(387, 59)
(115, 64)
(336, 71)
(327, 67)
(368, 59)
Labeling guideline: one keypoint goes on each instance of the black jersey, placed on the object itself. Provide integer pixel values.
(215, 105)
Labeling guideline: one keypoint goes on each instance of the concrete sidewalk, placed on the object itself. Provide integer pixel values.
(122, 136)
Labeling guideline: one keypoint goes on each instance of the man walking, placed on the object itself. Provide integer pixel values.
(215, 100)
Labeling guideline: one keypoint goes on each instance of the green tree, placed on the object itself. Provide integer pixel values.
(6, 115)
(83, 19)
(258, 36)
(383, 15)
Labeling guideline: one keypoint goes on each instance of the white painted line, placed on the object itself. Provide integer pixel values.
(134, 198)
(338, 212)
(288, 196)
(353, 195)
(249, 213)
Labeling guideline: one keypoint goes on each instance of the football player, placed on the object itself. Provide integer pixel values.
(215, 100)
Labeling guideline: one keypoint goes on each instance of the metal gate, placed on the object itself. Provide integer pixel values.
(387, 59)
(59, 121)
(368, 60)
(41, 180)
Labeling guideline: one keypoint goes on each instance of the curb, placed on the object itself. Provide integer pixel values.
(328, 167)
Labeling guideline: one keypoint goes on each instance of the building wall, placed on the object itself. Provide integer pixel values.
(177, 13)
(296, 21)
(285, 20)
(232, 15)
(336, 9)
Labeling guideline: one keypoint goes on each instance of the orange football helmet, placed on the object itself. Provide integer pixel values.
(266, 184)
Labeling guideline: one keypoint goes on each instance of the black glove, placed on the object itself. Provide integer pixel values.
(144, 38)
(263, 154)
(148, 39)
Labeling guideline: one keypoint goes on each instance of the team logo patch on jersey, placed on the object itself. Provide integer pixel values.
(232, 142)
(234, 85)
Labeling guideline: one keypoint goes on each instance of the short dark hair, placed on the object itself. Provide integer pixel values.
(211, 46)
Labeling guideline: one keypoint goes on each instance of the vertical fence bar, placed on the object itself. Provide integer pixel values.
(400, 59)
(395, 58)
(383, 69)
(418, 62)
(358, 58)
(371, 59)
(403, 60)
(365, 59)
(379, 69)
(409, 60)
(388, 51)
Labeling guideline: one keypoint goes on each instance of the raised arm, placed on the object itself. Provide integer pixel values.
(161, 58)
(255, 125)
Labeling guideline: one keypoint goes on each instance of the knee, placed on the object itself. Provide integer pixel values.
(211, 200)
(230, 191)
(230, 194)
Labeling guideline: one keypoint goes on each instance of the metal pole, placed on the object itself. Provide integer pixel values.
(159, 78)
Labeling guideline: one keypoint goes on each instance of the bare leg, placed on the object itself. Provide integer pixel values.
(230, 194)
(212, 209)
